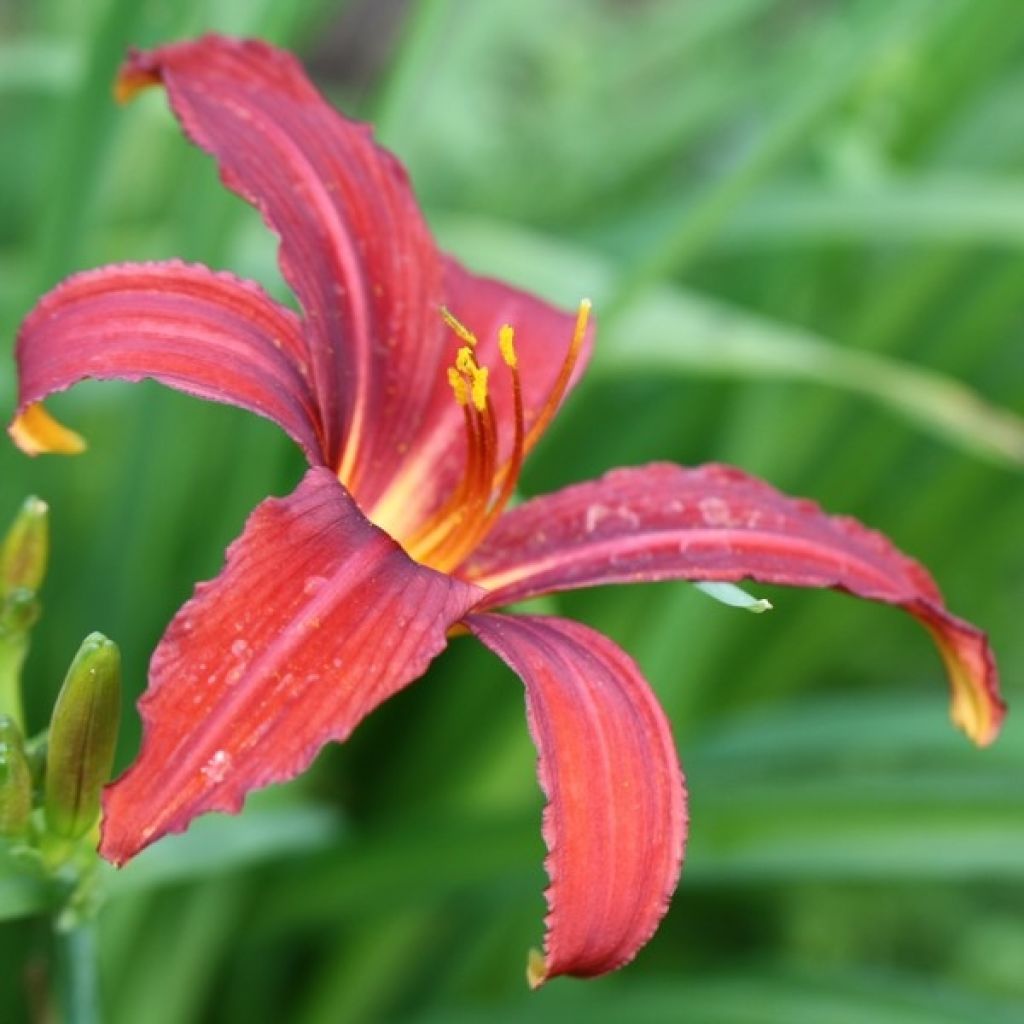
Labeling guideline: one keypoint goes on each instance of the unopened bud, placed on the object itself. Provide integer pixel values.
(15, 780)
(83, 733)
(26, 548)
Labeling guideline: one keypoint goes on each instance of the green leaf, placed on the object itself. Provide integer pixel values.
(40, 65)
(676, 331)
(751, 996)
(919, 211)
(875, 789)
(219, 845)
(837, 72)
(22, 894)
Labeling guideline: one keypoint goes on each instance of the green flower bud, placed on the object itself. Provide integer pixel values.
(83, 733)
(15, 780)
(25, 548)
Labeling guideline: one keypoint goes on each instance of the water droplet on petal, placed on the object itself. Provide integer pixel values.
(218, 766)
(313, 584)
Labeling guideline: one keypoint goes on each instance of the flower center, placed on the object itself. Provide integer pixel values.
(455, 529)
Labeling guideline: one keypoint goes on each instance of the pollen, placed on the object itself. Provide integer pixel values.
(479, 388)
(507, 344)
(475, 374)
(465, 363)
(458, 385)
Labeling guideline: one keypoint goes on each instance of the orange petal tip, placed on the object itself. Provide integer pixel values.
(36, 432)
(131, 82)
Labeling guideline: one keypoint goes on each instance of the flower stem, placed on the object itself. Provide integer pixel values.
(13, 649)
(78, 974)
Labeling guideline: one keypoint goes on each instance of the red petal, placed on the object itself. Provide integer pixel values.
(354, 246)
(615, 821)
(316, 619)
(208, 334)
(542, 338)
(356, 251)
(662, 522)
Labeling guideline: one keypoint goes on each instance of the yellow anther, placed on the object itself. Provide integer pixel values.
(472, 379)
(459, 386)
(480, 388)
(465, 362)
(507, 344)
(459, 328)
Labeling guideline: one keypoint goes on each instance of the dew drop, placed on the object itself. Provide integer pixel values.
(595, 513)
(313, 584)
(218, 766)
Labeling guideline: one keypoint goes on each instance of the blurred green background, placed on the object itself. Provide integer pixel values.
(803, 227)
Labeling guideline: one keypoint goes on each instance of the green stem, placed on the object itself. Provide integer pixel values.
(79, 975)
(13, 651)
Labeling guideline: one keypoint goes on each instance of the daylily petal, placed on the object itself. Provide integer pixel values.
(436, 462)
(354, 246)
(316, 619)
(661, 522)
(204, 333)
(360, 258)
(36, 432)
(615, 821)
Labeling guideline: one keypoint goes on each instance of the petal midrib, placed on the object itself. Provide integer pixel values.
(735, 539)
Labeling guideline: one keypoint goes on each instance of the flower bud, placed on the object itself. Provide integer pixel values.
(15, 780)
(83, 733)
(25, 548)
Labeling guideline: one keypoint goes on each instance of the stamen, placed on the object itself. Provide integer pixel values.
(459, 328)
(459, 386)
(506, 342)
(431, 535)
(511, 468)
(468, 514)
(458, 542)
(508, 475)
(480, 389)
(466, 364)
(540, 424)
(464, 361)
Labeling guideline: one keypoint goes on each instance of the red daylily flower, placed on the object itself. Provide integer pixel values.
(415, 428)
